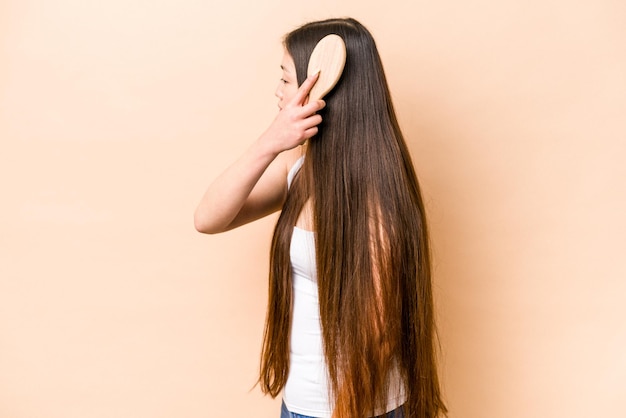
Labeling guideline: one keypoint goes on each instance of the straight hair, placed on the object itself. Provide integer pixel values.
(371, 242)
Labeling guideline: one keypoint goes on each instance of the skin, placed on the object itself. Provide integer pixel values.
(256, 184)
(288, 83)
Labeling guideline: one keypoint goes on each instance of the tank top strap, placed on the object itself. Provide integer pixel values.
(294, 170)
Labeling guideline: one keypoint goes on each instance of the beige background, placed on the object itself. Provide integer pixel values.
(114, 117)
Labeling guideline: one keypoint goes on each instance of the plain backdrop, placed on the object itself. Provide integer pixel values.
(115, 116)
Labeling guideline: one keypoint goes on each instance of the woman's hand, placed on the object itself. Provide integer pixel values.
(256, 184)
(297, 121)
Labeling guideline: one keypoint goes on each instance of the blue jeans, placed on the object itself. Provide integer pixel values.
(284, 413)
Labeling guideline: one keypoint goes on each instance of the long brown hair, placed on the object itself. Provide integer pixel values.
(371, 243)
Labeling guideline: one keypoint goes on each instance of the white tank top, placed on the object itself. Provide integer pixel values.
(307, 391)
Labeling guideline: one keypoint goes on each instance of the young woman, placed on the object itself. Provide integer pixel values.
(350, 328)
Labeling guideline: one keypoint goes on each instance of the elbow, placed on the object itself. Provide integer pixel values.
(202, 225)
(205, 226)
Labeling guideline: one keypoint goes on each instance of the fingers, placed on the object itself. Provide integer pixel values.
(312, 121)
(313, 107)
(309, 115)
(310, 132)
(305, 89)
(303, 112)
(310, 109)
(298, 118)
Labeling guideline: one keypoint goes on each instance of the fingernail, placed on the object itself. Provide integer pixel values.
(316, 73)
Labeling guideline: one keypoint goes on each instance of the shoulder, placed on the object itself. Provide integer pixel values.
(292, 157)
(292, 161)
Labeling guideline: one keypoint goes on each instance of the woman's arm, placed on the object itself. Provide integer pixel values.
(256, 184)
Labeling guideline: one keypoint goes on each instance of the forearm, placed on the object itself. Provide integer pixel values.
(248, 190)
(226, 196)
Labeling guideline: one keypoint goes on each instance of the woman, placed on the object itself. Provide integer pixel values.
(350, 328)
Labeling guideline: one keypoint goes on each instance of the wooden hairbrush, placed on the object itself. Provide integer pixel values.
(329, 58)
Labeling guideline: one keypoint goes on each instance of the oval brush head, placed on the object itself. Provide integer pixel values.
(329, 58)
